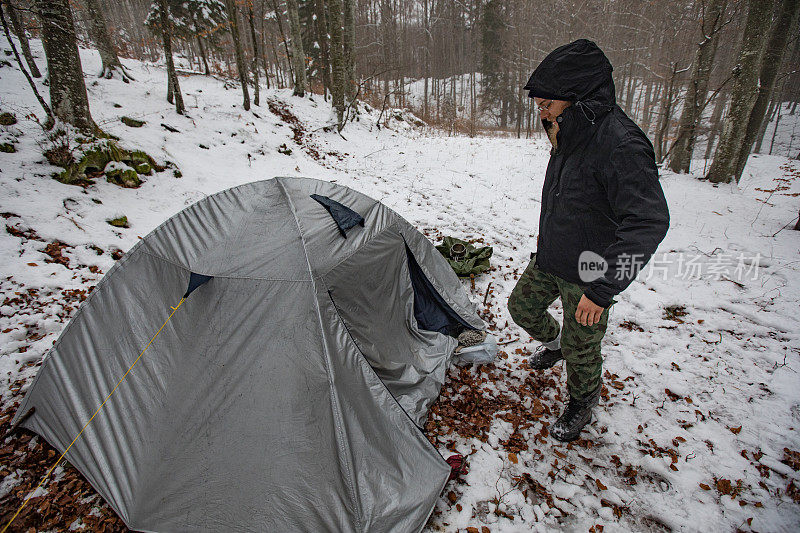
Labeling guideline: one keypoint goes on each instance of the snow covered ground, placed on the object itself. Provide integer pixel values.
(699, 428)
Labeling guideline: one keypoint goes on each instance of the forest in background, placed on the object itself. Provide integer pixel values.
(701, 77)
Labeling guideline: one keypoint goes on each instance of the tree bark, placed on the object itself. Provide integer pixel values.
(68, 99)
(99, 34)
(426, 21)
(19, 29)
(337, 59)
(256, 55)
(241, 66)
(691, 115)
(349, 49)
(298, 55)
(775, 130)
(264, 62)
(203, 55)
(764, 123)
(278, 18)
(666, 113)
(770, 63)
(173, 87)
(716, 124)
(743, 92)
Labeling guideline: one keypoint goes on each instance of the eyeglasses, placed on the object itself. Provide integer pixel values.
(545, 107)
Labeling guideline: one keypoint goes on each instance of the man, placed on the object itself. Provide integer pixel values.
(603, 215)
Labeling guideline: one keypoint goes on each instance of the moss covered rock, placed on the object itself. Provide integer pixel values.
(121, 174)
(144, 168)
(121, 167)
(132, 122)
(7, 119)
(119, 222)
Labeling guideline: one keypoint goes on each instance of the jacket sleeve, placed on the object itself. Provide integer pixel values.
(638, 203)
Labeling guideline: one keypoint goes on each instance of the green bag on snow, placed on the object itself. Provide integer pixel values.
(465, 258)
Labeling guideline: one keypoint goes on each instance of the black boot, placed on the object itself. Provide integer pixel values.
(577, 414)
(544, 358)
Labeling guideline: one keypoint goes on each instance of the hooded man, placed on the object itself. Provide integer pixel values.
(603, 215)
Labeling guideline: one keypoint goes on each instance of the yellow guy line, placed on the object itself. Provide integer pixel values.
(174, 309)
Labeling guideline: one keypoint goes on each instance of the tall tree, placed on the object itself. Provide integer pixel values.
(770, 63)
(716, 124)
(256, 55)
(173, 87)
(278, 19)
(98, 30)
(192, 21)
(743, 92)
(241, 65)
(349, 37)
(19, 29)
(667, 102)
(68, 99)
(337, 59)
(494, 75)
(693, 104)
(298, 56)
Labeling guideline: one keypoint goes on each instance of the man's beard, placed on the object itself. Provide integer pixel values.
(552, 130)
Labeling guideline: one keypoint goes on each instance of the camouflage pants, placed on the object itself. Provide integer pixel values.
(580, 344)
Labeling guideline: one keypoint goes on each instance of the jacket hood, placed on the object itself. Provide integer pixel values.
(578, 72)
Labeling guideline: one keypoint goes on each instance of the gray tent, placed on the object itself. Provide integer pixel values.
(286, 393)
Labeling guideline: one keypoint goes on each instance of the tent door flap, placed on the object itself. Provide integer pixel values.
(432, 312)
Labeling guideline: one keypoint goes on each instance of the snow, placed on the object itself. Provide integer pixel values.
(730, 363)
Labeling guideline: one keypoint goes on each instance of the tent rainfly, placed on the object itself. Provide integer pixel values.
(287, 392)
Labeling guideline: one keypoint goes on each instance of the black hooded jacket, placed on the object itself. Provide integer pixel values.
(601, 191)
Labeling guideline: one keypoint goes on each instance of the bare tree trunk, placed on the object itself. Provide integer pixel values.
(691, 115)
(241, 65)
(716, 124)
(743, 92)
(19, 29)
(173, 87)
(68, 99)
(298, 56)
(337, 58)
(349, 49)
(387, 38)
(256, 92)
(426, 21)
(321, 30)
(770, 63)
(666, 113)
(203, 55)
(764, 123)
(279, 19)
(649, 95)
(98, 30)
(278, 69)
(775, 131)
(264, 62)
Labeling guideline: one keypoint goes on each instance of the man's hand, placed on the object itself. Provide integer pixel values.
(588, 312)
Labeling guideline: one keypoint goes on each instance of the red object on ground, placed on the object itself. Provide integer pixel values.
(458, 466)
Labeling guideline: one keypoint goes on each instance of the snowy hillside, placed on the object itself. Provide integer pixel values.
(698, 430)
